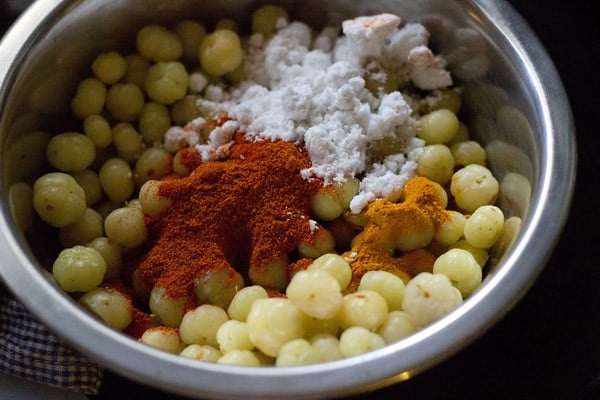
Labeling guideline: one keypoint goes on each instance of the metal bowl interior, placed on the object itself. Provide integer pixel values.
(514, 104)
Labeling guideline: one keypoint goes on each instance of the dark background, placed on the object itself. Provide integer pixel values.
(548, 347)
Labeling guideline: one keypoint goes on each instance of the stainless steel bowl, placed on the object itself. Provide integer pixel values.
(514, 103)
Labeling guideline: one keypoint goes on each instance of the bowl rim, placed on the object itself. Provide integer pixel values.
(378, 368)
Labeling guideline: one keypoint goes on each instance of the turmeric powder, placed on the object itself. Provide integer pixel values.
(407, 227)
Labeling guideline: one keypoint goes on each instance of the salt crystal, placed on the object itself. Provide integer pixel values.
(367, 35)
(197, 82)
(196, 124)
(214, 93)
(428, 71)
(224, 133)
(221, 140)
(402, 41)
(172, 139)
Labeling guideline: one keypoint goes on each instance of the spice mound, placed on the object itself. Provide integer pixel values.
(408, 226)
(240, 215)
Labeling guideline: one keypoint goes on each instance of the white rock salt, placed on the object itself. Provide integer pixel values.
(427, 71)
(367, 35)
(312, 93)
(402, 41)
(198, 82)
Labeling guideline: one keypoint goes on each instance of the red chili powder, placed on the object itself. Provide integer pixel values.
(241, 213)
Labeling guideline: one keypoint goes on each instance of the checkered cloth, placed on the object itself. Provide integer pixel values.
(30, 351)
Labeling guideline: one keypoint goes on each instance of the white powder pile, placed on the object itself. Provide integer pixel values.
(312, 92)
